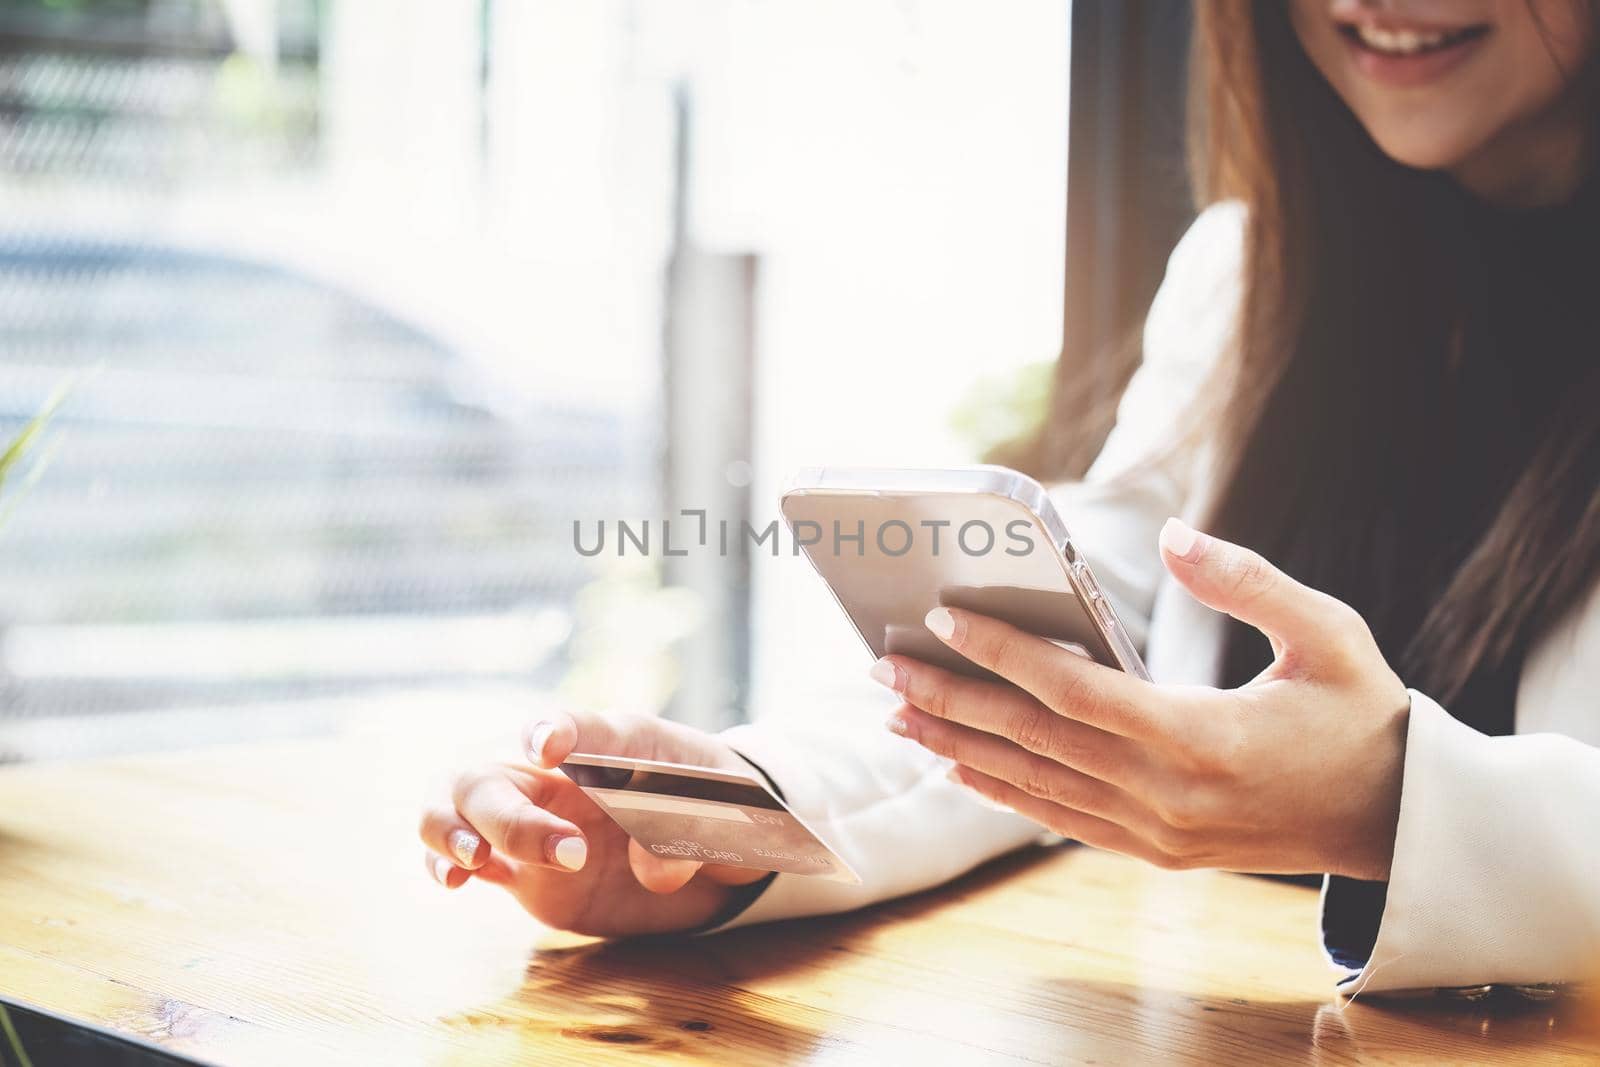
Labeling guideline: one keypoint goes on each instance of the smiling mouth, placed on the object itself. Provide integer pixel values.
(1404, 43)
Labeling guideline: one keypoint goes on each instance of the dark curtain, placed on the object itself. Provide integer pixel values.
(1128, 202)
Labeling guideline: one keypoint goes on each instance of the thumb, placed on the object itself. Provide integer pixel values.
(659, 874)
(1235, 580)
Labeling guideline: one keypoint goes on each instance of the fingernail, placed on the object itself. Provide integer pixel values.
(571, 852)
(536, 740)
(464, 847)
(898, 725)
(1181, 540)
(441, 870)
(885, 673)
(941, 623)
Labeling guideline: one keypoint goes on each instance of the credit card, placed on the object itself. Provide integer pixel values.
(700, 813)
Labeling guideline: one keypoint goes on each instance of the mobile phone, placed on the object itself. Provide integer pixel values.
(892, 544)
(680, 811)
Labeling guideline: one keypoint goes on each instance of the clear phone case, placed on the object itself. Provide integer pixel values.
(892, 544)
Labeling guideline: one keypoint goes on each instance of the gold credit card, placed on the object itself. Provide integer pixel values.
(700, 813)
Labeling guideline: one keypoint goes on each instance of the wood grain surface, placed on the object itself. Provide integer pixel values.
(267, 905)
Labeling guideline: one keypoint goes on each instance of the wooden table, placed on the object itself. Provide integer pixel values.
(266, 905)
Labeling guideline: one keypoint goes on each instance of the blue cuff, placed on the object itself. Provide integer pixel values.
(1351, 914)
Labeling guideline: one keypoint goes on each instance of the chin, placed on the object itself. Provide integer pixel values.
(1424, 152)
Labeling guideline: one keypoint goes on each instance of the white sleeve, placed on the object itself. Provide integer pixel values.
(882, 801)
(1496, 870)
(1140, 478)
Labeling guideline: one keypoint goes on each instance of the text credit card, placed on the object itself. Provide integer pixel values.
(698, 813)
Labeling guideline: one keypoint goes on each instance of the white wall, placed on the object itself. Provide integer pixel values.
(901, 169)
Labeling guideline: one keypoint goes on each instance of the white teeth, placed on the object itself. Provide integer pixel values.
(1399, 42)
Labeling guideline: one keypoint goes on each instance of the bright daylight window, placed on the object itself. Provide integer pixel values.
(356, 306)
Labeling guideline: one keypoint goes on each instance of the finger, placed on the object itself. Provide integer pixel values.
(725, 875)
(444, 872)
(659, 874)
(1002, 709)
(1077, 825)
(552, 738)
(497, 870)
(1067, 684)
(1035, 775)
(508, 814)
(1235, 580)
(448, 834)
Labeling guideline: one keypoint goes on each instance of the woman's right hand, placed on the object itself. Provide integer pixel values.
(525, 826)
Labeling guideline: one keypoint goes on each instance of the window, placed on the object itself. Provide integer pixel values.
(360, 305)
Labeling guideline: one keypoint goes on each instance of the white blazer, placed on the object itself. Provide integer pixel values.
(1496, 871)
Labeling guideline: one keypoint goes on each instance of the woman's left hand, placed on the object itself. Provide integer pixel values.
(1296, 772)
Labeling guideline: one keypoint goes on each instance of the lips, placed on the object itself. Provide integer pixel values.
(1410, 42)
(1402, 55)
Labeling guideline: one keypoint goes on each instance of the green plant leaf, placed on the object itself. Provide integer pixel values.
(10, 1030)
(1003, 408)
(31, 433)
(31, 439)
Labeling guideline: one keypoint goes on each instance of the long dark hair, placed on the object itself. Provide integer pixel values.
(1407, 421)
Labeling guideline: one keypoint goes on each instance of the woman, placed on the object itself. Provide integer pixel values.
(1376, 362)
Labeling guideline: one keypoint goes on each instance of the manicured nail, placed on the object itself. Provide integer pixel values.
(464, 847)
(898, 725)
(571, 852)
(1181, 540)
(887, 674)
(941, 623)
(441, 870)
(536, 740)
